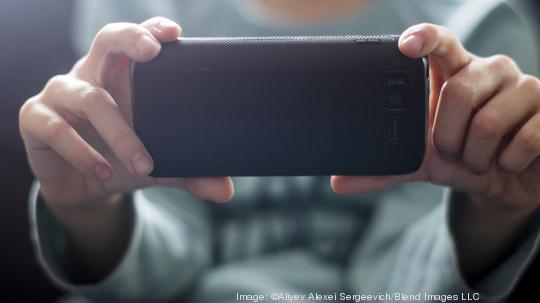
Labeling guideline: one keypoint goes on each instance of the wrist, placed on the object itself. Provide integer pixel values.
(491, 208)
(485, 232)
(97, 237)
(77, 213)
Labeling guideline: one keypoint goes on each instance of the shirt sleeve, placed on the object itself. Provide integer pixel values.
(416, 254)
(170, 245)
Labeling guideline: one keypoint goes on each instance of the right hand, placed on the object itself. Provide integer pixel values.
(78, 130)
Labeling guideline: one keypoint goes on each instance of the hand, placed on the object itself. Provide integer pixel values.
(81, 146)
(483, 142)
(78, 129)
(484, 124)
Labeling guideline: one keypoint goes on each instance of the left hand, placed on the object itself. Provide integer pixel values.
(484, 125)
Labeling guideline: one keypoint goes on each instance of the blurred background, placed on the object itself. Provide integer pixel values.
(35, 45)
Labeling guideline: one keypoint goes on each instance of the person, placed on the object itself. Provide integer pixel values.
(466, 224)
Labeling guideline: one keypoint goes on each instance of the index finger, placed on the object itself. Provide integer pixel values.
(116, 42)
(446, 53)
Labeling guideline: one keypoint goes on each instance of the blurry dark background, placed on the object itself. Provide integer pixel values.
(34, 45)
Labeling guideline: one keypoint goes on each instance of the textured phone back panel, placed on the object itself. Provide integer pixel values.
(280, 106)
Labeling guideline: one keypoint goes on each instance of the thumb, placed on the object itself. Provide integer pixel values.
(355, 185)
(218, 189)
(446, 54)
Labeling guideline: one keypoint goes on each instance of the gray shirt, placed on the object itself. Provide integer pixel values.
(293, 235)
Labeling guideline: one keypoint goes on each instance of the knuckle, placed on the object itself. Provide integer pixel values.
(450, 34)
(507, 164)
(26, 108)
(504, 64)
(115, 29)
(93, 98)
(458, 92)
(107, 29)
(453, 35)
(129, 29)
(529, 139)
(54, 85)
(79, 63)
(54, 129)
(486, 125)
(155, 20)
(25, 112)
(446, 144)
(530, 84)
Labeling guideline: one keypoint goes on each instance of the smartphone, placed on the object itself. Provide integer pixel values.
(282, 106)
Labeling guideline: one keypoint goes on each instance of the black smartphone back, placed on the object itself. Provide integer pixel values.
(338, 105)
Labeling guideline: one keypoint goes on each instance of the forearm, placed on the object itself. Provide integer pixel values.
(176, 234)
(419, 251)
(97, 236)
(485, 233)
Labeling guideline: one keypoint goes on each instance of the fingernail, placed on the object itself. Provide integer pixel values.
(146, 45)
(102, 172)
(414, 43)
(141, 164)
(166, 24)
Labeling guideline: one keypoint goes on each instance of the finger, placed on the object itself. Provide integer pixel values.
(501, 115)
(461, 94)
(355, 185)
(218, 189)
(43, 128)
(163, 29)
(116, 41)
(524, 147)
(113, 43)
(446, 54)
(80, 98)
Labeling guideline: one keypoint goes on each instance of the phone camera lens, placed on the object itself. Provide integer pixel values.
(395, 92)
(395, 99)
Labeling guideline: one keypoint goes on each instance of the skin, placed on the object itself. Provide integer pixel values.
(82, 149)
(312, 11)
(484, 142)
